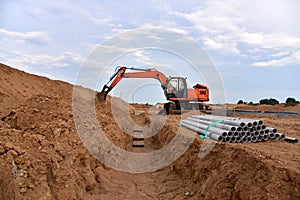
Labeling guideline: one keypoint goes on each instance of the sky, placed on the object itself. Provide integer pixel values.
(254, 45)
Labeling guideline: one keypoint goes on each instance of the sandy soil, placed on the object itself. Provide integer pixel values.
(42, 156)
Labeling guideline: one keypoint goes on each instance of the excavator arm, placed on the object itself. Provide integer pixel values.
(120, 73)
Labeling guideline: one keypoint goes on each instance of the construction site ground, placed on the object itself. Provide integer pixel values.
(42, 156)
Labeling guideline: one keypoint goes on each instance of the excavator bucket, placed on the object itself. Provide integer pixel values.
(101, 96)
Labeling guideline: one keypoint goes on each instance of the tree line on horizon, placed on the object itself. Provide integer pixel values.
(271, 101)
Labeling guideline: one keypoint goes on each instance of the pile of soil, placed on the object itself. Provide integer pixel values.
(42, 156)
(275, 108)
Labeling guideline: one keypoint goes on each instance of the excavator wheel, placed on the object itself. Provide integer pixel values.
(101, 96)
(166, 108)
(162, 112)
(169, 108)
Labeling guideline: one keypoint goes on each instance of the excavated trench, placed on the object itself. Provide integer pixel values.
(52, 163)
(224, 173)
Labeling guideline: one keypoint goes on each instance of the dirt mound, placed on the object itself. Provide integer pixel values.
(294, 108)
(17, 86)
(42, 156)
(35, 111)
(275, 108)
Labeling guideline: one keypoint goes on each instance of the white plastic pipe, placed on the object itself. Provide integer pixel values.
(242, 133)
(259, 138)
(220, 125)
(281, 135)
(253, 139)
(265, 137)
(271, 135)
(249, 139)
(210, 135)
(227, 139)
(214, 118)
(291, 140)
(204, 126)
(238, 139)
(273, 130)
(244, 139)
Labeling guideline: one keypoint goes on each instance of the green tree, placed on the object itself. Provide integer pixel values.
(270, 101)
(291, 100)
(240, 102)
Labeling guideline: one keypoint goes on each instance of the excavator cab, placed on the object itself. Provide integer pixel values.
(176, 87)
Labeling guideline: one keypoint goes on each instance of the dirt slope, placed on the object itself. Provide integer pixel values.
(42, 157)
(17, 86)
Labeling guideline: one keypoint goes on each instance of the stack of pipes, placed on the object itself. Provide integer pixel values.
(230, 129)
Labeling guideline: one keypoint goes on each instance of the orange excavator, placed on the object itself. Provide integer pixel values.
(175, 89)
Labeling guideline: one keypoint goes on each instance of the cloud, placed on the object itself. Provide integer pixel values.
(294, 58)
(280, 54)
(141, 57)
(65, 59)
(226, 28)
(89, 46)
(270, 41)
(36, 37)
(214, 18)
(218, 24)
(167, 25)
(222, 44)
(101, 19)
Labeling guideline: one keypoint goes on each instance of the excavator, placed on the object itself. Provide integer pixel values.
(179, 96)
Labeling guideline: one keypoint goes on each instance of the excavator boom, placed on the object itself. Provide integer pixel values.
(120, 73)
